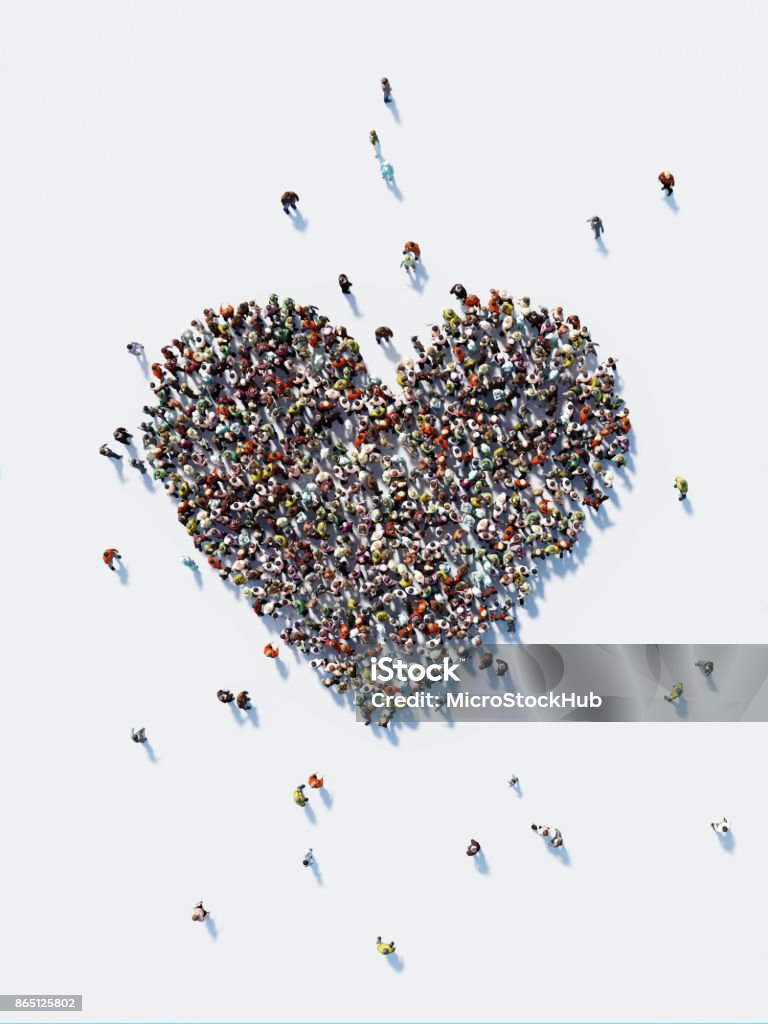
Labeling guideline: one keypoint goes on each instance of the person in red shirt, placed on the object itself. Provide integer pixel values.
(109, 556)
(413, 248)
(667, 180)
(314, 781)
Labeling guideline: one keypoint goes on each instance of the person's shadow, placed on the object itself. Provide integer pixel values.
(122, 574)
(392, 106)
(394, 189)
(561, 854)
(352, 300)
(299, 221)
(672, 203)
(316, 872)
(326, 797)
(118, 464)
(150, 751)
(311, 816)
(687, 506)
(727, 842)
(601, 248)
(396, 962)
(415, 281)
(210, 924)
(143, 362)
(680, 706)
(481, 864)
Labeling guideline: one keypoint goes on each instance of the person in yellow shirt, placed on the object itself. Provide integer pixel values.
(385, 948)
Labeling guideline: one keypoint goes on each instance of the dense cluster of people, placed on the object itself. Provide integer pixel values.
(362, 515)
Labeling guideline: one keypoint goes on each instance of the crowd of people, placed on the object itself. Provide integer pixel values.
(359, 515)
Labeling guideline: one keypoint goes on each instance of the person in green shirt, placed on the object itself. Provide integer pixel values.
(681, 485)
(675, 693)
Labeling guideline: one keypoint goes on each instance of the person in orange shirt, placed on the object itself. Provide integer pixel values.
(271, 651)
(314, 781)
(413, 248)
(109, 556)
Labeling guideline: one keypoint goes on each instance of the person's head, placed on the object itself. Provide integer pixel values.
(305, 862)
(724, 828)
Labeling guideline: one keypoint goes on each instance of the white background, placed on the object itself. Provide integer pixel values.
(145, 149)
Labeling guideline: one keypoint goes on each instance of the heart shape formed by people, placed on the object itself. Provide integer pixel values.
(359, 514)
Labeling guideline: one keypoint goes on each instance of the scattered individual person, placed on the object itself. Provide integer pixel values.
(374, 138)
(414, 249)
(345, 284)
(386, 88)
(315, 781)
(721, 826)
(199, 913)
(140, 465)
(501, 667)
(597, 226)
(107, 452)
(135, 348)
(474, 848)
(225, 696)
(542, 830)
(409, 262)
(289, 201)
(271, 651)
(675, 693)
(190, 563)
(309, 858)
(385, 948)
(557, 838)
(122, 435)
(667, 180)
(707, 667)
(681, 485)
(513, 781)
(243, 701)
(139, 735)
(459, 291)
(110, 556)
(383, 334)
(486, 660)
(388, 172)
(299, 796)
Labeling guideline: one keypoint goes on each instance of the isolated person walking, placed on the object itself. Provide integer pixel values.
(675, 693)
(110, 556)
(597, 226)
(199, 913)
(667, 180)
